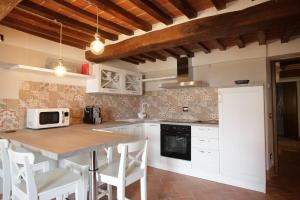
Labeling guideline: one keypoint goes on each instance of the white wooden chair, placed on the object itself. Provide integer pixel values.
(131, 167)
(45, 186)
(79, 164)
(41, 165)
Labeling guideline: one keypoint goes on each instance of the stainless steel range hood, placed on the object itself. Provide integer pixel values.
(184, 76)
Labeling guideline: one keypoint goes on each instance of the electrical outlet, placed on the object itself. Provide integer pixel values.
(185, 109)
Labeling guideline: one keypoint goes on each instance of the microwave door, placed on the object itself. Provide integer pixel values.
(49, 118)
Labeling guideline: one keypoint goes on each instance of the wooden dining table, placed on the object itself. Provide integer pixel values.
(59, 143)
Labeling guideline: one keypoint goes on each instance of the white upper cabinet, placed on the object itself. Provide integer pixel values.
(113, 80)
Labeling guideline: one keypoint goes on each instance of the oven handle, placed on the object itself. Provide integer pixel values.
(180, 135)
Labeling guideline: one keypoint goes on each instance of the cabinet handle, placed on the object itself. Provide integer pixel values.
(202, 151)
(201, 140)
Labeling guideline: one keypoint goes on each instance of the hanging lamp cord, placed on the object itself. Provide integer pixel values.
(60, 42)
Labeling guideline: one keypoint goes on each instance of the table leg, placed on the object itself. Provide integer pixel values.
(93, 175)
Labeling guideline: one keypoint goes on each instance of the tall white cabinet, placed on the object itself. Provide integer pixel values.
(242, 137)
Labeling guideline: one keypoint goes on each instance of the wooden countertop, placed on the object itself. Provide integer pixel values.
(57, 143)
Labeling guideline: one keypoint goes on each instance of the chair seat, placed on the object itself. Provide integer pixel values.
(52, 180)
(111, 170)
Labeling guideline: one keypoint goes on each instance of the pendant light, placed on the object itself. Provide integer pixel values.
(60, 70)
(97, 47)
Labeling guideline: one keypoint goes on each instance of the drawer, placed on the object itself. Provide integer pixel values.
(205, 132)
(205, 160)
(205, 143)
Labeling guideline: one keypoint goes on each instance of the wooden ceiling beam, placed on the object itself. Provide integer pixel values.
(287, 33)
(67, 21)
(240, 42)
(203, 48)
(130, 61)
(186, 51)
(146, 57)
(157, 55)
(137, 59)
(150, 8)
(220, 45)
(6, 6)
(172, 53)
(185, 7)
(262, 37)
(219, 4)
(25, 17)
(90, 17)
(118, 12)
(227, 25)
(43, 33)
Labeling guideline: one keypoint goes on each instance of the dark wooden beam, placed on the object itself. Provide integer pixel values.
(118, 12)
(150, 8)
(130, 61)
(220, 45)
(186, 51)
(43, 33)
(146, 57)
(232, 24)
(157, 55)
(184, 7)
(203, 47)
(6, 6)
(288, 32)
(262, 37)
(289, 73)
(90, 17)
(219, 4)
(172, 53)
(240, 42)
(67, 21)
(25, 17)
(137, 59)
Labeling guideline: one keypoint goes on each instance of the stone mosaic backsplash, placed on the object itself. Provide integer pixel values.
(165, 104)
(49, 95)
(202, 104)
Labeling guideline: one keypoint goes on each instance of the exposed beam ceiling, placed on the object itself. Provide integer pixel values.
(220, 45)
(219, 4)
(6, 6)
(90, 17)
(153, 10)
(66, 21)
(185, 8)
(233, 24)
(240, 42)
(262, 37)
(117, 11)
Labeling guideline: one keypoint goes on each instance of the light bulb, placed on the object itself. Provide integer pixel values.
(97, 47)
(60, 70)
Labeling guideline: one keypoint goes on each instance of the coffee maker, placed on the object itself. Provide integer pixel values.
(92, 115)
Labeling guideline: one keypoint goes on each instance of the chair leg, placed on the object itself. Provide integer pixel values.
(144, 188)
(6, 191)
(109, 192)
(121, 192)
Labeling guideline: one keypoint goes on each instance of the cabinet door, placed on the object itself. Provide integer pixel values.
(152, 131)
(110, 80)
(133, 83)
(204, 160)
(242, 134)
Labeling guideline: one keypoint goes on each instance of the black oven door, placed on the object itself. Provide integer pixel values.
(176, 145)
(49, 118)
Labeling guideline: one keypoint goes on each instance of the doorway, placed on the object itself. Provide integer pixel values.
(285, 77)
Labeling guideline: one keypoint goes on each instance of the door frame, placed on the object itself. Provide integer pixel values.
(274, 117)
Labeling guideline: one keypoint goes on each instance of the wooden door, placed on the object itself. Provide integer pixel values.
(289, 113)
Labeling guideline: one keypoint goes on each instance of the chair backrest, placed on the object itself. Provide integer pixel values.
(133, 154)
(21, 170)
(5, 162)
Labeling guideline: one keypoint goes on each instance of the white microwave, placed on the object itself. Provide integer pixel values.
(47, 117)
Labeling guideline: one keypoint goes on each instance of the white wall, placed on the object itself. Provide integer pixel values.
(25, 49)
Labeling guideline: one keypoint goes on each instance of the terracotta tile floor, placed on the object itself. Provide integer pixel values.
(164, 185)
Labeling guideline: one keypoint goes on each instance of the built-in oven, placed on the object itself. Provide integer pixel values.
(175, 141)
